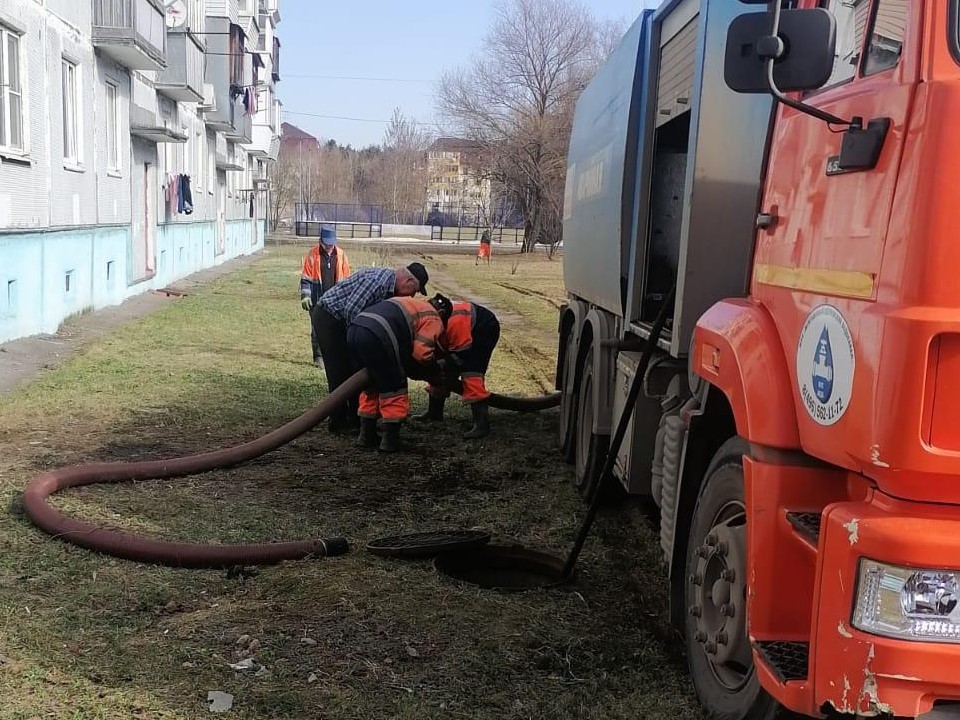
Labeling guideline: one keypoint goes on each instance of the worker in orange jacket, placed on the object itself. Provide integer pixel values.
(470, 337)
(393, 340)
(323, 267)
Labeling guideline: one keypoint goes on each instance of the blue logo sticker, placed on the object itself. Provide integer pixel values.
(822, 375)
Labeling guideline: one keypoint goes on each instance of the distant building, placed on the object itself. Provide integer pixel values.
(456, 175)
(295, 142)
(104, 106)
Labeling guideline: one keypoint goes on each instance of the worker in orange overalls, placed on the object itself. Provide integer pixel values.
(323, 267)
(484, 250)
(393, 340)
(470, 337)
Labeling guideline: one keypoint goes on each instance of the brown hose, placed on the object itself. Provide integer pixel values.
(190, 555)
(515, 403)
(187, 555)
(525, 404)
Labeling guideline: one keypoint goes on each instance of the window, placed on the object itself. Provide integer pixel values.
(236, 55)
(11, 91)
(71, 130)
(211, 162)
(851, 16)
(113, 128)
(201, 160)
(886, 37)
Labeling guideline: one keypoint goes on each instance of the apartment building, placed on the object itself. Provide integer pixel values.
(455, 170)
(109, 111)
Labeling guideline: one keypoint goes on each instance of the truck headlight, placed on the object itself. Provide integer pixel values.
(908, 603)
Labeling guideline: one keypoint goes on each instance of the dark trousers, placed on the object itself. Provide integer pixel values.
(331, 336)
(369, 351)
(315, 341)
(486, 335)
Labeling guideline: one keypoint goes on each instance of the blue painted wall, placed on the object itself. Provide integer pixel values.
(45, 277)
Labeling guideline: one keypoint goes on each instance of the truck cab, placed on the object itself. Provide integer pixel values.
(780, 178)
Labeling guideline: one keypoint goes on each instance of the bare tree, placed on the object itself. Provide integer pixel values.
(517, 97)
(284, 188)
(402, 170)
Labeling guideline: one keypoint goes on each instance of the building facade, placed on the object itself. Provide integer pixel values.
(110, 111)
(455, 175)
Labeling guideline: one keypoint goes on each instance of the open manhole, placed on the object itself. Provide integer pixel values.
(503, 567)
(428, 544)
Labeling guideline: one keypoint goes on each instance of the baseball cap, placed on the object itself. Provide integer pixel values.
(328, 236)
(420, 273)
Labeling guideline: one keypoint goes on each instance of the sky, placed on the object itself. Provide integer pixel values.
(399, 47)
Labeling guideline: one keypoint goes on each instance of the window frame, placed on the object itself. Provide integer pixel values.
(860, 69)
(71, 115)
(114, 140)
(6, 92)
(868, 41)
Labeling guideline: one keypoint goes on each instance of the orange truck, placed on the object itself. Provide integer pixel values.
(776, 179)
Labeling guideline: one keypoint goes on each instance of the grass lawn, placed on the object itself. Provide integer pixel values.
(86, 636)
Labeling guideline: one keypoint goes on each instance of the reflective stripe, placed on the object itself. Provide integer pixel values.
(822, 281)
(390, 333)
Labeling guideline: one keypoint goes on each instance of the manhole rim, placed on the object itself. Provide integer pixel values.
(465, 541)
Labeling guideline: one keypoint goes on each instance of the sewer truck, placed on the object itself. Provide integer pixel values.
(779, 177)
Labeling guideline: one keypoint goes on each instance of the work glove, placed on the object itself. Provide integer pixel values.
(306, 303)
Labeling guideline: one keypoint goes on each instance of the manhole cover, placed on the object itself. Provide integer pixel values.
(427, 544)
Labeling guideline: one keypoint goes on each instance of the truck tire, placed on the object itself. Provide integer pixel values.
(591, 448)
(718, 649)
(568, 400)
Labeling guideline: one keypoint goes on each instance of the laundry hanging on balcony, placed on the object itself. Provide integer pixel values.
(250, 100)
(178, 194)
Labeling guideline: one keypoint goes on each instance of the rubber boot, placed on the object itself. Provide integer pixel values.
(390, 439)
(368, 437)
(434, 411)
(481, 421)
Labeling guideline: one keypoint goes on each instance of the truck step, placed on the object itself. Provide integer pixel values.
(807, 525)
(787, 659)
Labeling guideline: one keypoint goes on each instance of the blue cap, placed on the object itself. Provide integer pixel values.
(328, 236)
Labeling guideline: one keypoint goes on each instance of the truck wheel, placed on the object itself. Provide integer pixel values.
(718, 650)
(568, 400)
(591, 449)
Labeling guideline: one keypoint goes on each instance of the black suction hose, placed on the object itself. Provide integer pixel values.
(606, 474)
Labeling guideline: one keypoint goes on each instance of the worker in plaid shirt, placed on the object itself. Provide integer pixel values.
(337, 308)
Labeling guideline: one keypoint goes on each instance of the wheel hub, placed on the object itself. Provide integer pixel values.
(719, 592)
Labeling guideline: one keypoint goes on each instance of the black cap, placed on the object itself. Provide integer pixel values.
(443, 306)
(420, 273)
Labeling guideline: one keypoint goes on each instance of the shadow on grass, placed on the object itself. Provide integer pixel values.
(388, 639)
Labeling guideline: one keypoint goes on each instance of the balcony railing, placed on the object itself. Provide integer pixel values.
(183, 78)
(132, 32)
(242, 130)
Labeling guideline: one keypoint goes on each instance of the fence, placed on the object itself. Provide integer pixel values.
(350, 220)
(471, 234)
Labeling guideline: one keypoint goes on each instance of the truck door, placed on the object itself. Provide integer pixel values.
(826, 242)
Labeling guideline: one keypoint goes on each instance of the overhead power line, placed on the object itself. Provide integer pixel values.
(356, 119)
(357, 78)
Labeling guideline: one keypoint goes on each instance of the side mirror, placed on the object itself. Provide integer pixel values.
(803, 51)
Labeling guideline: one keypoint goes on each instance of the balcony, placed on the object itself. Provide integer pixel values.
(151, 118)
(132, 32)
(183, 78)
(224, 155)
(241, 123)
